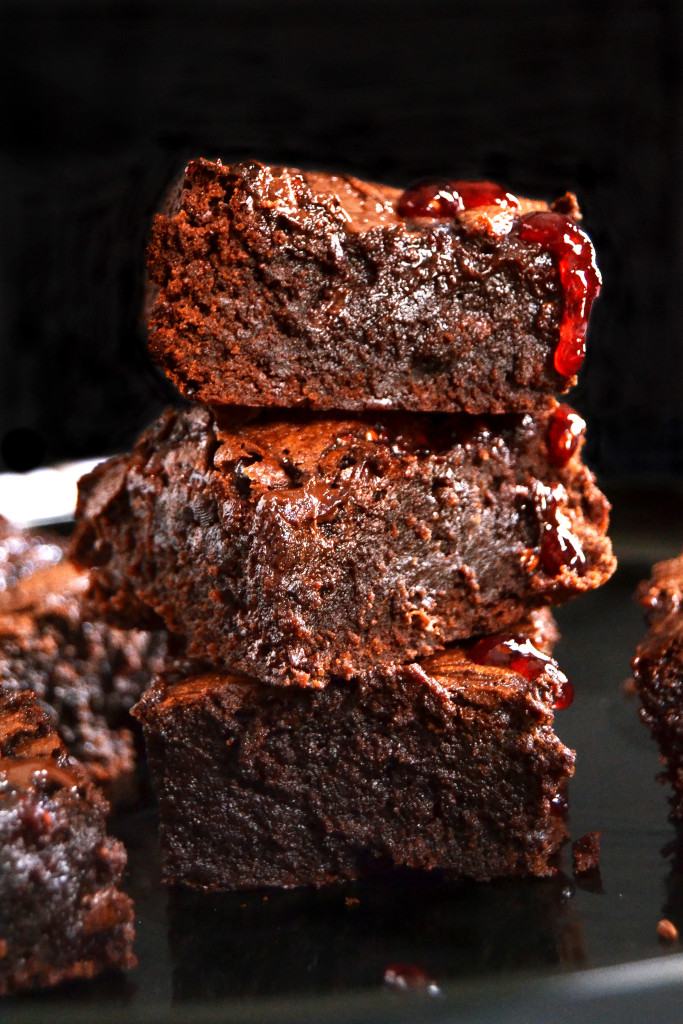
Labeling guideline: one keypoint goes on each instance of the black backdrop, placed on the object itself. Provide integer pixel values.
(104, 102)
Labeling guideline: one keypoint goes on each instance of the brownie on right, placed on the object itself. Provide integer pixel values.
(658, 669)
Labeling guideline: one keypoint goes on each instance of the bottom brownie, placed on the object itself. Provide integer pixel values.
(61, 913)
(449, 763)
(658, 669)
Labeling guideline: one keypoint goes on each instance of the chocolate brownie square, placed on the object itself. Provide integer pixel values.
(87, 674)
(62, 915)
(273, 286)
(450, 763)
(298, 547)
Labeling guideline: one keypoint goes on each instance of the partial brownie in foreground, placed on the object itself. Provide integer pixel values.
(658, 669)
(62, 915)
(450, 764)
(87, 674)
(295, 548)
(273, 286)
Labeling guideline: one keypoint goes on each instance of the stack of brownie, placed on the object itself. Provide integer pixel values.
(355, 529)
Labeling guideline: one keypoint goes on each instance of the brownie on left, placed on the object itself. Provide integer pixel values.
(62, 915)
(87, 674)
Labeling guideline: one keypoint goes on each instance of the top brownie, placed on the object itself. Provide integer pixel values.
(276, 287)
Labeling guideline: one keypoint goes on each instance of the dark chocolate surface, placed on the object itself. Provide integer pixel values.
(275, 287)
(297, 547)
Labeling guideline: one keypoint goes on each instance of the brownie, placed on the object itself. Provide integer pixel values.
(449, 763)
(86, 674)
(658, 669)
(62, 915)
(297, 547)
(273, 286)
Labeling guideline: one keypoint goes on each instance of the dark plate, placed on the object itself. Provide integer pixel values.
(509, 951)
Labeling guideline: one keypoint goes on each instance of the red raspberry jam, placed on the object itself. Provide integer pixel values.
(442, 198)
(564, 697)
(560, 805)
(580, 279)
(507, 651)
(564, 434)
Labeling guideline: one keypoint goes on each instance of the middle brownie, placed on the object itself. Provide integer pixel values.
(293, 548)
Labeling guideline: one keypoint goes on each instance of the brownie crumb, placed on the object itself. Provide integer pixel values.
(586, 851)
(667, 930)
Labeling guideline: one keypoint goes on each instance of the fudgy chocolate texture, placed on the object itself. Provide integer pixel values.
(443, 764)
(62, 915)
(87, 674)
(297, 548)
(658, 669)
(271, 286)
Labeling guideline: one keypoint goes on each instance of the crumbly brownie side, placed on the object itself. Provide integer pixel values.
(271, 286)
(86, 673)
(297, 548)
(658, 670)
(62, 915)
(447, 764)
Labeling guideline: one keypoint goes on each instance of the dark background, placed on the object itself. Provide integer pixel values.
(104, 102)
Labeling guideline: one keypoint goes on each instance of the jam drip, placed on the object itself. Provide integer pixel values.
(564, 433)
(560, 805)
(580, 279)
(446, 199)
(503, 650)
(559, 546)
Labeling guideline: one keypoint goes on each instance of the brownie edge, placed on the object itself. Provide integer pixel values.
(446, 764)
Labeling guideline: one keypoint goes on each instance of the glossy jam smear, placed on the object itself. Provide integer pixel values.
(559, 235)
(504, 650)
(559, 546)
(580, 279)
(564, 433)
(446, 199)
